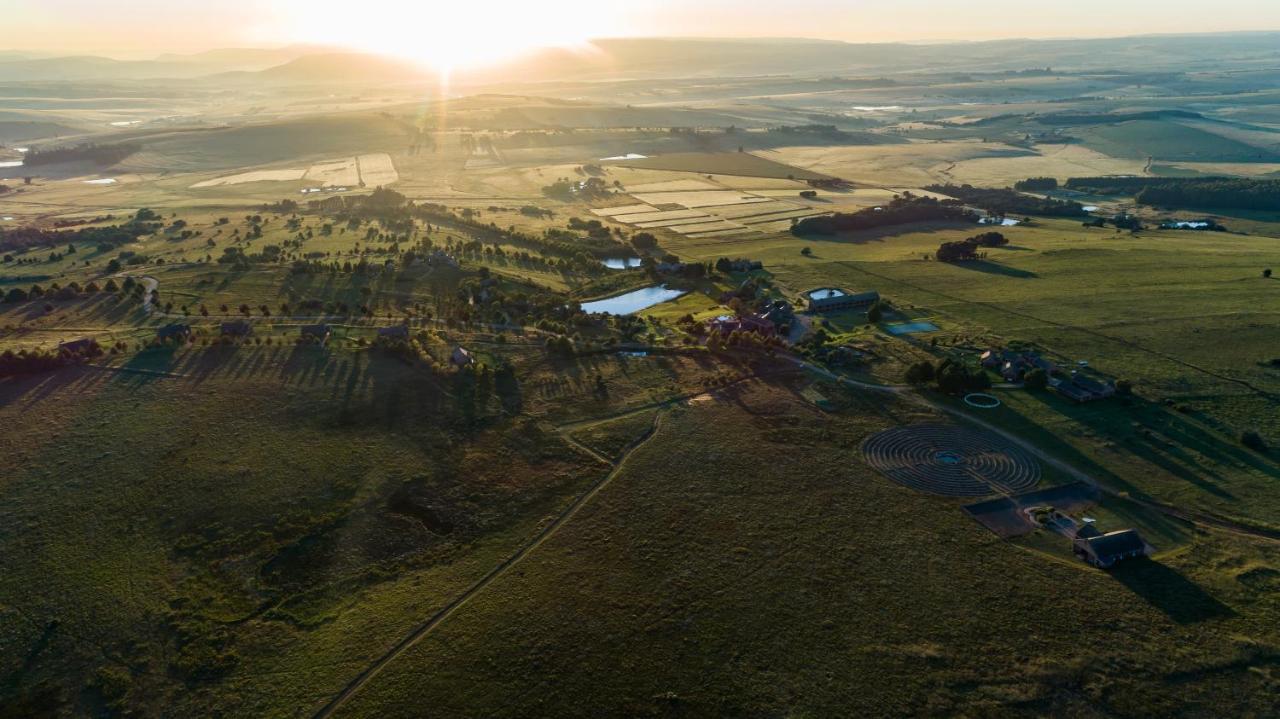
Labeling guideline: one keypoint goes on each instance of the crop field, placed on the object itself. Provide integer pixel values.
(256, 176)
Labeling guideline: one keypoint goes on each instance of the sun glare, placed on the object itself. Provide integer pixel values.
(445, 35)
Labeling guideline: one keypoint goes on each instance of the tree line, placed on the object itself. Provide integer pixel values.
(903, 209)
(1008, 202)
(85, 152)
(1204, 192)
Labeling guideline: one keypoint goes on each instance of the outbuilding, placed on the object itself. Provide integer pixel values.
(239, 328)
(1105, 550)
(320, 333)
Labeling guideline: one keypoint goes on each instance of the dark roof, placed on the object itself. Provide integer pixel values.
(1073, 392)
(844, 300)
(236, 328)
(77, 345)
(316, 330)
(174, 329)
(393, 331)
(1117, 544)
(1089, 384)
(1086, 531)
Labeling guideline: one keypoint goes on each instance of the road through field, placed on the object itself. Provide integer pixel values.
(440, 616)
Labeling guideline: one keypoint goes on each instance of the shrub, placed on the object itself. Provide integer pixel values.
(1036, 379)
(1253, 440)
(875, 313)
(920, 373)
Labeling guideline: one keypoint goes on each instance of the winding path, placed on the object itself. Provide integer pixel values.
(492, 575)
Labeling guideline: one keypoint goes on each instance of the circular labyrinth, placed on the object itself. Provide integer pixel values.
(951, 461)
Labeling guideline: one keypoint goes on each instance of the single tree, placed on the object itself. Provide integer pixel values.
(1036, 379)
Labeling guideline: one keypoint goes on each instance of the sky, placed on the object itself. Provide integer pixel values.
(474, 31)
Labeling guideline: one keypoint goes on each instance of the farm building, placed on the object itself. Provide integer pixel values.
(1014, 366)
(461, 357)
(317, 332)
(832, 299)
(1082, 388)
(80, 348)
(239, 328)
(779, 312)
(1104, 550)
(749, 323)
(174, 331)
(394, 332)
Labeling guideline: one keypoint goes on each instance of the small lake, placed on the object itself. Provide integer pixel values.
(11, 163)
(1001, 221)
(622, 263)
(103, 181)
(909, 328)
(1090, 208)
(633, 301)
(628, 156)
(825, 294)
(1189, 225)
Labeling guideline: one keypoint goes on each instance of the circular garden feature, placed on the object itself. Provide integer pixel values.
(981, 400)
(951, 460)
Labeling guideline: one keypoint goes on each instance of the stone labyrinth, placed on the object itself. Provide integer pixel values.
(951, 461)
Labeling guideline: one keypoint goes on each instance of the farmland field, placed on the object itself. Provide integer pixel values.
(313, 407)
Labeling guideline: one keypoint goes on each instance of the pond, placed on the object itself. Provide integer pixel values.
(1002, 221)
(628, 156)
(633, 301)
(826, 293)
(908, 328)
(11, 163)
(1090, 208)
(103, 181)
(621, 263)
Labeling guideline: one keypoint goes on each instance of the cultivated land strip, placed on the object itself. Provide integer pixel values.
(489, 578)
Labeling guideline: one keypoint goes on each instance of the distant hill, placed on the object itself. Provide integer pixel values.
(17, 67)
(244, 59)
(343, 68)
(646, 58)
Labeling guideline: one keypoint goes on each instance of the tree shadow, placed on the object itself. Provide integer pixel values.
(995, 268)
(1169, 591)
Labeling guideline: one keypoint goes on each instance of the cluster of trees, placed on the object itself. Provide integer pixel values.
(26, 238)
(904, 209)
(1036, 184)
(1122, 221)
(566, 189)
(86, 152)
(1006, 202)
(57, 292)
(1206, 192)
(582, 253)
(33, 361)
(948, 376)
(967, 249)
(1103, 118)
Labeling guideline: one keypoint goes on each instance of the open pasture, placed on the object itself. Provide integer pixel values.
(723, 163)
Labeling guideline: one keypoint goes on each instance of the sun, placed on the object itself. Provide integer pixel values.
(444, 35)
